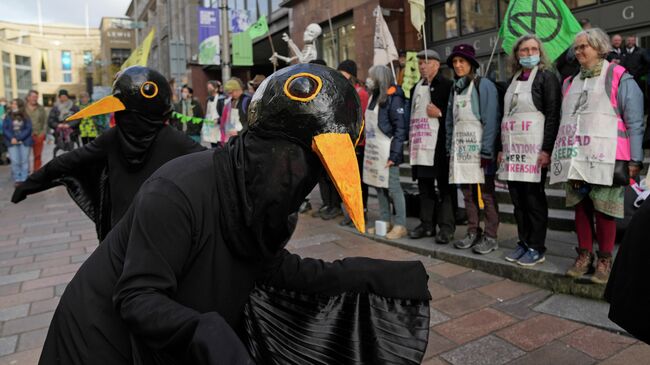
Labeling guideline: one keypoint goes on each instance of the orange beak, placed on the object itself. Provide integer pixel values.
(336, 152)
(105, 105)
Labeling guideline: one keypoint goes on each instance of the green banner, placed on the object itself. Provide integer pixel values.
(411, 73)
(259, 28)
(550, 20)
(242, 49)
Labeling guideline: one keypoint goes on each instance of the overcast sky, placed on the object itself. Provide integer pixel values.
(62, 11)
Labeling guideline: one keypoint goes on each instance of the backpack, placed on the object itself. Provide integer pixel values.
(501, 86)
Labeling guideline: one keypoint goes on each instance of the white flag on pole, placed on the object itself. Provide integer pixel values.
(385, 50)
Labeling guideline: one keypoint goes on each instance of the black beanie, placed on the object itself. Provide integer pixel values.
(348, 66)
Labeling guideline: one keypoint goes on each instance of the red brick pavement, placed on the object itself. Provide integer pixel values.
(476, 318)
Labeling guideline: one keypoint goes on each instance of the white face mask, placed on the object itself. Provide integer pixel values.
(185, 95)
(14, 110)
(370, 84)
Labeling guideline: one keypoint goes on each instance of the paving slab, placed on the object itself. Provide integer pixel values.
(587, 311)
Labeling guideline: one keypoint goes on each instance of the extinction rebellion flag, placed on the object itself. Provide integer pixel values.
(550, 20)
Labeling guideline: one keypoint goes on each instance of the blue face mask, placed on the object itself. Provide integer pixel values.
(530, 61)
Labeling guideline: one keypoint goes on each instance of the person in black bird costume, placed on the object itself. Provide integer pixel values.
(628, 290)
(103, 176)
(196, 271)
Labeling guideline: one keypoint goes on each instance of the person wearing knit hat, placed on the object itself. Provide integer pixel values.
(348, 68)
(234, 118)
(429, 162)
(472, 126)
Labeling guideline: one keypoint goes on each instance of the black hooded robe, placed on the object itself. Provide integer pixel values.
(628, 288)
(110, 161)
(196, 274)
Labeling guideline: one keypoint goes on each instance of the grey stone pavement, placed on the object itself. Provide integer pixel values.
(476, 318)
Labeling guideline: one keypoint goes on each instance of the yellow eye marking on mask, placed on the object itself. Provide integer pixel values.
(312, 92)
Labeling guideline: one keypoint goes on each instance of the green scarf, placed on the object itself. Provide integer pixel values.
(586, 73)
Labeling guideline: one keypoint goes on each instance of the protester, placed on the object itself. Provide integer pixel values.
(38, 116)
(473, 119)
(566, 63)
(386, 132)
(89, 126)
(210, 131)
(428, 158)
(190, 107)
(104, 175)
(348, 69)
(65, 133)
(618, 52)
(636, 62)
(611, 104)
(531, 119)
(401, 66)
(234, 119)
(17, 132)
(196, 271)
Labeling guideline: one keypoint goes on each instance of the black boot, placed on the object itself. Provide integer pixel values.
(423, 230)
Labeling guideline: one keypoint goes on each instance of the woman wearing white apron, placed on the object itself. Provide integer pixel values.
(602, 122)
(210, 132)
(528, 130)
(386, 130)
(473, 119)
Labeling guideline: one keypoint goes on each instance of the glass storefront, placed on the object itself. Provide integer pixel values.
(478, 15)
(23, 75)
(343, 44)
(6, 72)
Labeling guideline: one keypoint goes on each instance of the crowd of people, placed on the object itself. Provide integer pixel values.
(462, 133)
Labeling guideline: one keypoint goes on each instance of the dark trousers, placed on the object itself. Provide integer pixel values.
(531, 212)
(438, 208)
(328, 192)
(491, 210)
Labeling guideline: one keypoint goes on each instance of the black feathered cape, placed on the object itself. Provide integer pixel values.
(195, 273)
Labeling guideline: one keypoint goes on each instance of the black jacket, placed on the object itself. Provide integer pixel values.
(613, 55)
(392, 122)
(547, 97)
(440, 90)
(193, 129)
(636, 63)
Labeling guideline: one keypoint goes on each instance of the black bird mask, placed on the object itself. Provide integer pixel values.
(141, 100)
(318, 108)
(136, 89)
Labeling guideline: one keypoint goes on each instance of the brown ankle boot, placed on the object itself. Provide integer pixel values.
(582, 264)
(603, 268)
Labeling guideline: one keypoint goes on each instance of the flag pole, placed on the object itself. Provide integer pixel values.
(496, 43)
(424, 38)
(268, 34)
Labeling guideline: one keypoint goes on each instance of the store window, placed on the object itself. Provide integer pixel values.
(43, 65)
(343, 44)
(6, 72)
(119, 55)
(478, 15)
(66, 66)
(444, 20)
(572, 4)
(23, 75)
(88, 58)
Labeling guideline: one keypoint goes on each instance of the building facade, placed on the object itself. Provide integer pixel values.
(117, 42)
(477, 22)
(46, 59)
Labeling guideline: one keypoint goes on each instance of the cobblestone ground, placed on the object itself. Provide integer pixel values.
(476, 318)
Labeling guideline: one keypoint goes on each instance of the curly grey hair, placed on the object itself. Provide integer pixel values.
(383, 78)
(514, 59)
(597, 39)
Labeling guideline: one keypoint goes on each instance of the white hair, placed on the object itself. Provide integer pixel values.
(597, 39)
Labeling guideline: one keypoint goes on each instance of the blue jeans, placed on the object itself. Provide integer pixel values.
(396, 193)
(19, 155)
